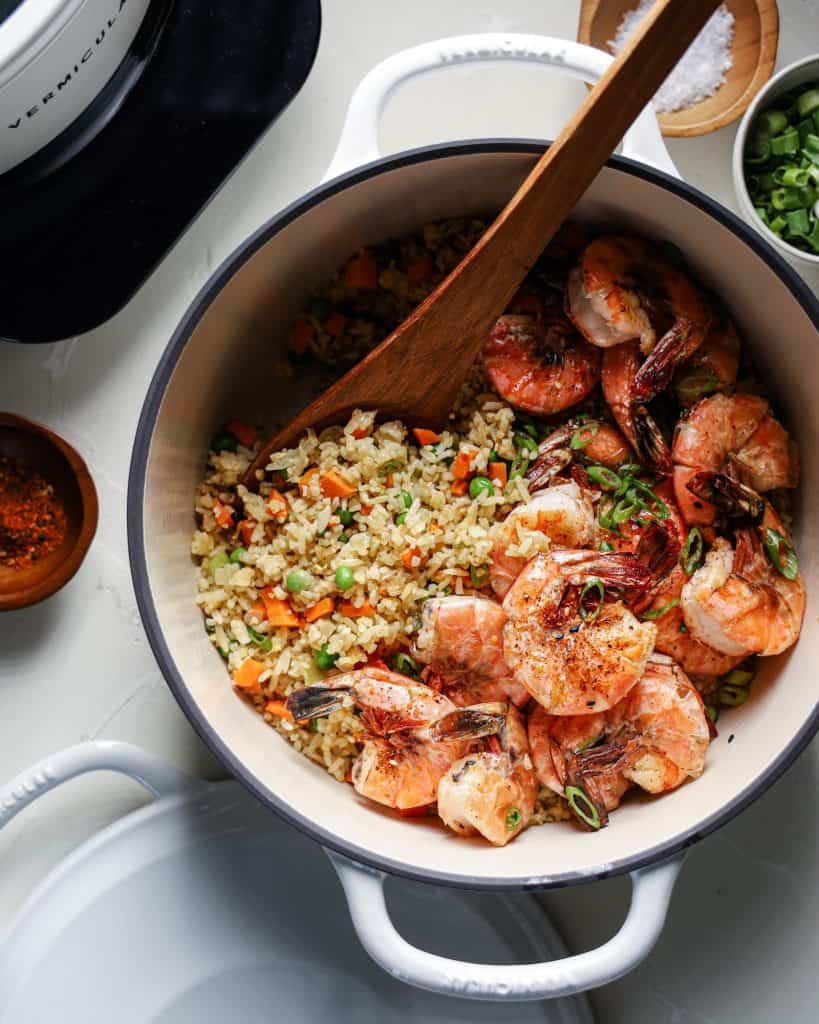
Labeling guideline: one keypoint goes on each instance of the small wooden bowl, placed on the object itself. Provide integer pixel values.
(756, 35)
(57, 462)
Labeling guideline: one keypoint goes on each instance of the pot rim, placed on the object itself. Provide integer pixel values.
(136, 547)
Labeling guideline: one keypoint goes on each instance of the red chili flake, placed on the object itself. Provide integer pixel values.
(32, 521)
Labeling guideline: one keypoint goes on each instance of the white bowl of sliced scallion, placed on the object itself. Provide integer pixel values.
(776, 161)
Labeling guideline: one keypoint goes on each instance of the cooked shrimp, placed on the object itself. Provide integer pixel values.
(624, 290)
(540, 366)
(736, 434)
(590, 441)
(739, 602)
(401, 761)
(570, 664)
(563, 513)
(461, 639)
(674, 638)
(715, 364)
(492, 792)
(655, 738)
(619, 374)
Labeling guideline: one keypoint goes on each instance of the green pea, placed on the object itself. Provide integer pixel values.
(401, 519)
(296, 581)
(224, 442)
(479, 485)
(406, 499)
(237, 554)
(218, 560)
(323, 659)
(344, 577)
(346, 517)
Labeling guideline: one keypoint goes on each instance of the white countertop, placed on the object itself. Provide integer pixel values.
(741, 940)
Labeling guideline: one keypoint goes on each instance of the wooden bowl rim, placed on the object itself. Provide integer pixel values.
(62, 573)
(769, 43)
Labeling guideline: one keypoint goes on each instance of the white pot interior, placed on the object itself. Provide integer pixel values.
(227, 369)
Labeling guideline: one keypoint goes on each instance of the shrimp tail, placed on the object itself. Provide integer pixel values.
(467, 723)
(618, 569)
(659, 549)
(648, 440)
(314, 702)
(675, 347)
(730, 495)
(547, 466)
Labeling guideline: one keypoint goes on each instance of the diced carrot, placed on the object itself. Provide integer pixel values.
(324, 607)
(419, 272)
(246, 528)
(423, 436)
(335, 486)
(223, 514)
(414, 812)
(243, 432)
(362, 271)
(460, 487)
(279, 613)
(246, 676)
(258, 609)
(277, 506)
(366, 510)
(411, 558)
(498, 473)
(301, 334)
(352, 612)
(434, 527)
(335, 323)
(461, 465)
(389, 480)
(361, 432)
(306, 481)
(279, 709)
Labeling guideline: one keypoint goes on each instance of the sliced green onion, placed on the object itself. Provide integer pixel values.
(524, 443)
(344, 577)
(798, 223)
(758, 153)
(401, 519)
(692, 552)
(219, 559)
(582, 807)
(713, 712)
(518, 468)
(595, 585)
(405, 665)
(775, 543)
(513, 819)
(791, 176)
(778, 225)
(479, 575)
(772, 122)
(786, 199)
(479, 485)
(391, 466)
(262, 641)
(732, 696)
(808, 102)
(297, 580)
(583, 435)
(738, 677)
(323, 659)
(604, 477)
(406, 499)
(693, 386)
(237, 554)
(605, 546)
(658, 613)
(344, 537)
(786, 143)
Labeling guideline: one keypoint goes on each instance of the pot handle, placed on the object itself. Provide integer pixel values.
(651, 890)
(359, 136)
(158, 778)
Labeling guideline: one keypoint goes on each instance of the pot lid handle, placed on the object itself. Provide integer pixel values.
(651, 890)
(359, 136)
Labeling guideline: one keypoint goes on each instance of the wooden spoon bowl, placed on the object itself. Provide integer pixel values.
(57, 462)
(756, 35)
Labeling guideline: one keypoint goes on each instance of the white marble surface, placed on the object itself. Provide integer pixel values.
(741, 940)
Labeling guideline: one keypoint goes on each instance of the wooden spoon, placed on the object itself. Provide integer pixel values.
(415, 374)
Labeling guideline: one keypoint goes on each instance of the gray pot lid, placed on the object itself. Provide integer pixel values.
(208, 907)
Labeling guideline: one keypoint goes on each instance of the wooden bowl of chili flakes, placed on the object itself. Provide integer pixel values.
(48, 512)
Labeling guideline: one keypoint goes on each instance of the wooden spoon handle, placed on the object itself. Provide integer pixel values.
(440, 340)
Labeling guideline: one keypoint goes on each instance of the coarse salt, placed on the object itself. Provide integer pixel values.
(701, 69)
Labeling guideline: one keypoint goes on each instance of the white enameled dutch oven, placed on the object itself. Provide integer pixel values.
(222, 361)
(57, 58)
